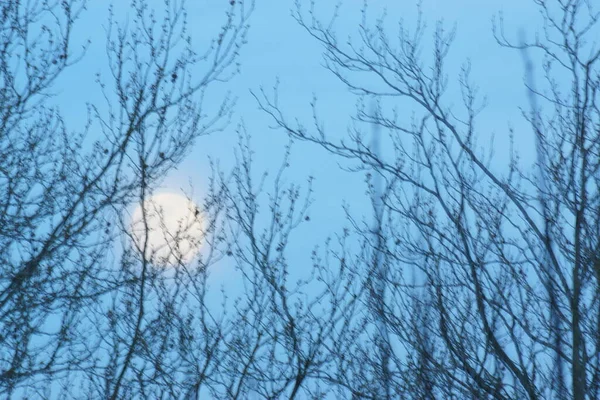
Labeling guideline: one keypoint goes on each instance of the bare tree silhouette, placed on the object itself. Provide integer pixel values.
(505, 304)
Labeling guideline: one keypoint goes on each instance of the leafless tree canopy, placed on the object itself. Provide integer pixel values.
(474, 282)
(491, 278)
(79, 319)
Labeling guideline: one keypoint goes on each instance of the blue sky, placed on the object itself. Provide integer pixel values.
(278, 48)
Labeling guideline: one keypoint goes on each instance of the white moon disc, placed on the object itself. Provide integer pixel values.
(174, 229)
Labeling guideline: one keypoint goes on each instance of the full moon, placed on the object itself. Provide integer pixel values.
(174, 229)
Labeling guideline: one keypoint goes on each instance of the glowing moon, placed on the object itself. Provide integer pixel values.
(174, 229)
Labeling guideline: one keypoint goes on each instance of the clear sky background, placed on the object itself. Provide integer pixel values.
(279, 48)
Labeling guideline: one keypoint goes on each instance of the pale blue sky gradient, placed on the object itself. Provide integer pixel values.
(278, 48)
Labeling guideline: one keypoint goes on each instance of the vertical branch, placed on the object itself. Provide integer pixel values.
(379, 267)
(543, 190)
